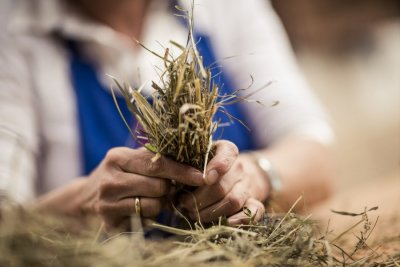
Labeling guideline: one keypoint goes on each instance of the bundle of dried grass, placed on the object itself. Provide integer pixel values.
(179, 123)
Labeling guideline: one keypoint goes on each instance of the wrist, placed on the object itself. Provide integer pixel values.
(83, 198)
(271, 175)
(65, 200)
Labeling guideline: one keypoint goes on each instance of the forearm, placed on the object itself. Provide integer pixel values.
(305, 167)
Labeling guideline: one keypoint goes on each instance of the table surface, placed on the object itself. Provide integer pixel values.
(384, 193)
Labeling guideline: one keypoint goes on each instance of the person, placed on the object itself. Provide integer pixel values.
(64, 147)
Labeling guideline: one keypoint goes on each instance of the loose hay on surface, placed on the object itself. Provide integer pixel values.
(28, 238)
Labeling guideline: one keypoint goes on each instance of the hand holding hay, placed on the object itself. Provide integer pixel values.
(178, 124)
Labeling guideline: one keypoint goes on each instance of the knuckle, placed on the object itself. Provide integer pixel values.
(111, 184)
(233, 149)
(116, 156)
(103, 209)
(158, 188)
(228, 148)
(220, 190)
(154, 167)
(182, 172)
(185, 174)
(106, 187)
(113, 155)
(222, 166)
(239, 167)
(162, 188)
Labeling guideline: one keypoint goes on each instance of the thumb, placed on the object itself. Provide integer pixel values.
(226, 153)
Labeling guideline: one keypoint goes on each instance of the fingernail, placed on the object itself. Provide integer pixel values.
(211, 177)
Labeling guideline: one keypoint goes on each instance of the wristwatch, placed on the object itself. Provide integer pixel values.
(274, 178)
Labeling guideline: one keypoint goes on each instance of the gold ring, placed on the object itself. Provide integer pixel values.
(137, 206)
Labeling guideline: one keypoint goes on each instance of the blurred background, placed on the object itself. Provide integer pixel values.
(350, 52)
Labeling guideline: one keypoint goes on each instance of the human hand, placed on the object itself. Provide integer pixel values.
(126, 174)
(236, 183)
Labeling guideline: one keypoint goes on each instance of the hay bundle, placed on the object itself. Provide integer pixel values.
(179, 123)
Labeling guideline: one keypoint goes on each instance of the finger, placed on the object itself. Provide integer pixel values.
(230, 204)
(256, 209)
(140, 161)
(149, 207)
(225, 155)
(207, 195)
(113, 212)
(123, 185)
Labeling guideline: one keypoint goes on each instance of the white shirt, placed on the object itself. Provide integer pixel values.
(39, 138)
